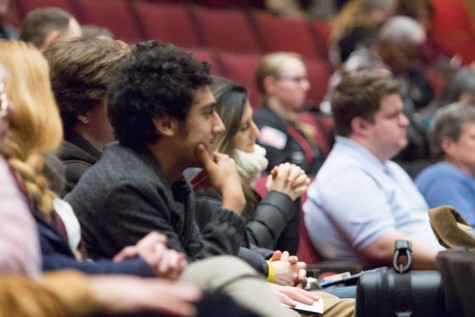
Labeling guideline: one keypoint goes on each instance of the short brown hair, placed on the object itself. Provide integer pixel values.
(359, 94)
(40, 22)
(81, 70)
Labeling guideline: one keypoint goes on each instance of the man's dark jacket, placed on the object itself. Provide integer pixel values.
(124, 196)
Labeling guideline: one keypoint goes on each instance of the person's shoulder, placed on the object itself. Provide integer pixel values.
(265, 116)
(339, 167)
(439, 171)
(116, 155)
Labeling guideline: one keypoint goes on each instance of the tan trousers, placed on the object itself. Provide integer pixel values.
(334, 306)
(247, 287)
(237, 279)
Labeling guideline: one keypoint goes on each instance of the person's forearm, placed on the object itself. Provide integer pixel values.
(381, 252)
(65, 293)
(72, 290)
(423, 257)
(233, 199)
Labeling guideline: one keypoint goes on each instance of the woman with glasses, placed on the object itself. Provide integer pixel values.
(282, 81)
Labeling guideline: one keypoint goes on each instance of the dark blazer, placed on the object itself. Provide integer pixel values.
(124, 196)
(57, 255)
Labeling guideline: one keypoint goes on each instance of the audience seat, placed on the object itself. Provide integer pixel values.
(321, 30)
(285, 34)
(318, 73)
(24, 6)
(173, 2)
(229, 30)
(168, 23)
(241, 69)
(115, 15)
(249, 4)
(452, 26)
(13, 17)
(209, 55)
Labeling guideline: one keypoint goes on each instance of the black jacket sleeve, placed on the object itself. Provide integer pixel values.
(256, 258)
(273, 215)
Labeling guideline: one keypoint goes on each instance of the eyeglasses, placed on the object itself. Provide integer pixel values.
(296, 79)
(3, 101)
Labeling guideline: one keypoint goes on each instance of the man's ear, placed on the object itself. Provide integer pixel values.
(447, 146)
(268, 83)
(165, 125)
(50, 38)
(359, 126)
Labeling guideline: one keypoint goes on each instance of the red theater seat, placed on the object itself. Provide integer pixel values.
(209, 55)
(321, 31)
(285, 34)
(255, 4)
(229, 30)
(452, 26)
(241, 69)
(115, 15)
(168, 23)
(24, 6)
(318, 73)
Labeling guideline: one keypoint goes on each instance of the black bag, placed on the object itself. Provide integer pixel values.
(396, 292)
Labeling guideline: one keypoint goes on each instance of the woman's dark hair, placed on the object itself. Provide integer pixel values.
(231, 100)
(157, 79)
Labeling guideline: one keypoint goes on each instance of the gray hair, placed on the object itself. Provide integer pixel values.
(448, 123)
(401, 28)
(461, 82)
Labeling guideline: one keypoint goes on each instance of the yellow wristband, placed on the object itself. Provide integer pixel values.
(271, 274)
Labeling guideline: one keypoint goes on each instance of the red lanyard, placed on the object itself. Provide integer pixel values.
(302, 141)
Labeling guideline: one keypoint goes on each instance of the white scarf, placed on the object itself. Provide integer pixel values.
(250, 165)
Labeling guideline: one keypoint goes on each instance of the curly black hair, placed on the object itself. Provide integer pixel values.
(157, 79)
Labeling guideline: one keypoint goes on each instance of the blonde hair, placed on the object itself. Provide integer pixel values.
(35, 124)
(271, 65)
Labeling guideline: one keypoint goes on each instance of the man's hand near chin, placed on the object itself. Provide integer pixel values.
(222, 175)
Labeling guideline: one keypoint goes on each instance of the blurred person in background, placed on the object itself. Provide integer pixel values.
(81, 70)
(7, 31)
(43, 26)
(451, 181)
(282, 81)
